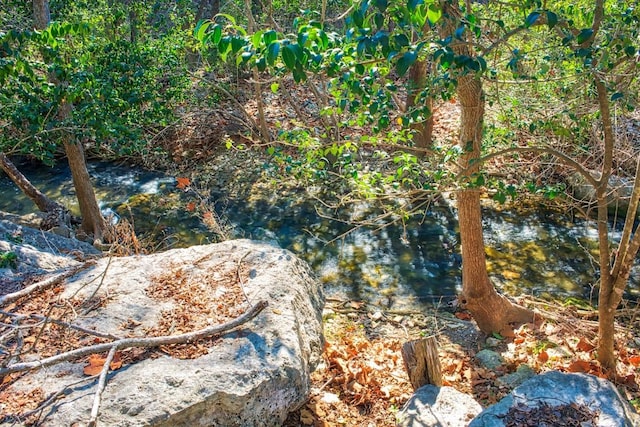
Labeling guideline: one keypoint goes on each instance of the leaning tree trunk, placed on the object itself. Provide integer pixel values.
(93, 223)
(44, 203)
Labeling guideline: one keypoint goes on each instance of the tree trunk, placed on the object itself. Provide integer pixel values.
(93, 223)
(44, 203)
(41, 14)
(421, 362)
(491, 311)
(422, 130)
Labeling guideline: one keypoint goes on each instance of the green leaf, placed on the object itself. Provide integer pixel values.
(552, 19)
(269, 37)
(358, 18)
(201, 29)
(246, 56)
(289, 57)
(227, 16)
(256, 38)
(237, 43)
(401, 40)
(497, 335)
(584, 35)
(272, 52)
(616, 96)
(216, 34)
(381, 4)
(378, 19)
(433, 14)
(405, 62)
(500, 197)
(303, 37)
(531, 19)
(275, 87)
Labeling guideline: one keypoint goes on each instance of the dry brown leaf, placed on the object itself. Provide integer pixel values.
(579, 366)
(543, 356)
(96, 363)
(584, 345)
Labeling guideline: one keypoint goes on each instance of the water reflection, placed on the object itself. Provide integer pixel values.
(540, 253)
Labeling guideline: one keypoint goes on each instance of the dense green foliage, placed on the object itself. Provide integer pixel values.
(120, 88)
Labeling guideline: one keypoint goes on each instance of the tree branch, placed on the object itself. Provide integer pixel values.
(42, 285)
(102, 383)
(137, 342)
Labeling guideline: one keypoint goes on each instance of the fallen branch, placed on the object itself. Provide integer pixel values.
(42, 285)
(137, 342)
(102, 383)
(21, 317)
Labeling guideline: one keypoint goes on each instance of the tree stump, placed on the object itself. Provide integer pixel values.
(421, 362)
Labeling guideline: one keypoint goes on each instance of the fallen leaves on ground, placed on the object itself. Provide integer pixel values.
(362, 381)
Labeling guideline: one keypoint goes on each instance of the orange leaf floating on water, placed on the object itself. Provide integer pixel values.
(96, 363)
(183, 183)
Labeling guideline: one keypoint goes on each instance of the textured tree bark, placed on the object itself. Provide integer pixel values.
(41, 14)
(93, 223)
(423, 130)
(422, 363)
(491, 311)
(44, 203)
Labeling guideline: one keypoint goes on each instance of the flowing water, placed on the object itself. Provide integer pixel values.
(540, 253)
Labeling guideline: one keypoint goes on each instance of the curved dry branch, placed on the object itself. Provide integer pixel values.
(44, 284)
(137, 342)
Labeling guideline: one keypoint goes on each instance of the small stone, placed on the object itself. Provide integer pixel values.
(523, 373)
(492, 342)
(489, 359)
(376, 315)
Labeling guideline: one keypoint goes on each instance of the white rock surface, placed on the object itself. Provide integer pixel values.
(432, 406)
(253, 376)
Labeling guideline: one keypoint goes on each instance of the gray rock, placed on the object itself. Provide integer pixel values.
(557, 388)
(432, 406)
(492, 342)
(522, 373)
(37, 253)
(489, 359)
(252, 376)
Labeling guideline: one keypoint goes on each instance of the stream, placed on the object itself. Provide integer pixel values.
(541, 253)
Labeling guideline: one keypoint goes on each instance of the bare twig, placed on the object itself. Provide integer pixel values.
(102, 383)
(49, 400)
(42, 285)
(137, 342)
(88, 331)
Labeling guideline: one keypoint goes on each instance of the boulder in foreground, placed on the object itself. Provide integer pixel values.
(254, 375)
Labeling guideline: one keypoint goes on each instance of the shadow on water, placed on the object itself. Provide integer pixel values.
(539, 253)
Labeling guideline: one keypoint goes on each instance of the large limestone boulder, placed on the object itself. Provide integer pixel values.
(253, 376)
(432, 406)
(554, 390)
